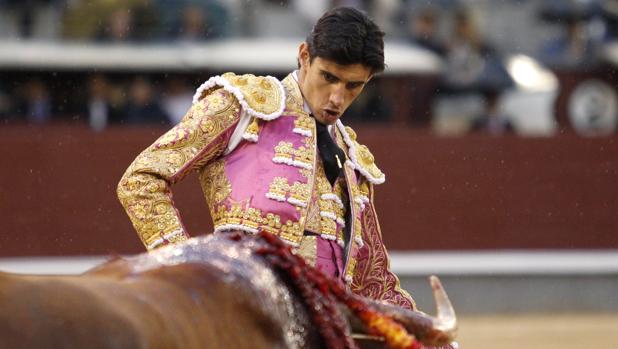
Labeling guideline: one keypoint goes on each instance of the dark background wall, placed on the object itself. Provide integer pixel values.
(57, 190)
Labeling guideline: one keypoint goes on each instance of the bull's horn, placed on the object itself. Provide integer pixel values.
(430, 330)
(445, 324)
(439, 330)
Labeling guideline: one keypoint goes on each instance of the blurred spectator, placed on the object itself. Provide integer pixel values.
(25, 13)
(473, 68)
(146, 21)
(176, 99)
(142, 106)
(191, 20)
(118, 27)
(5, 103)
(193, 25)
(609, 11)
(470, 61)
(35, 103)
(101, 109)
(574, 49)
(424, 30)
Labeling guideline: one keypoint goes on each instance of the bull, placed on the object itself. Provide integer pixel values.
(209, 292)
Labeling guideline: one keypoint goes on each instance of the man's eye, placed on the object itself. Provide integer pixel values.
(329, 77)
(354, 86)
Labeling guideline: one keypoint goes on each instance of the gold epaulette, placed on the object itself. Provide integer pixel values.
(361, 158)
(262, 97)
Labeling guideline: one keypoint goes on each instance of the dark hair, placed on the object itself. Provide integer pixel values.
(346, 36)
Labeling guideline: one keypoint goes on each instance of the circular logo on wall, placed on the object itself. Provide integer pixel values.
(593, 108)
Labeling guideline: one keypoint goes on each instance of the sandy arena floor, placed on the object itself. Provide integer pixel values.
(572, 331)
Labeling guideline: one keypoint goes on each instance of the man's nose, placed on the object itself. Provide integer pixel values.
(337, 95)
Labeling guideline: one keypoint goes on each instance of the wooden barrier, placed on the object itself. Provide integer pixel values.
(58, 183)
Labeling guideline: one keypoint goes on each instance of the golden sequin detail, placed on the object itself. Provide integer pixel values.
(284, 150)
(278, 189)
(296, 193)
(243, 215)
(302, 157)
(304, 125)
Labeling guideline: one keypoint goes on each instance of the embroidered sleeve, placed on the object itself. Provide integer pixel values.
(144, 190)
(372, 276)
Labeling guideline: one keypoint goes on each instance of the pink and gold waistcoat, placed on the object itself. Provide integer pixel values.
(266, 182)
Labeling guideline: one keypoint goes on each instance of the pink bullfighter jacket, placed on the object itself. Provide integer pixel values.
(270, 179)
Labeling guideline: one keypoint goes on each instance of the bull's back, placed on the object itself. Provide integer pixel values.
(185, 306)
(54, 312)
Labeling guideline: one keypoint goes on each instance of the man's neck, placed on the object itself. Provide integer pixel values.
(306, 108)
(296, 75)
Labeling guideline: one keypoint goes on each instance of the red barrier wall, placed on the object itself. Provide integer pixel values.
(57, 191)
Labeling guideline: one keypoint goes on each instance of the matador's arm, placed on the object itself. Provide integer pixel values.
(144, 190)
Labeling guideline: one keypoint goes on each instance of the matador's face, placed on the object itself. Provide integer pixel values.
(329, 88)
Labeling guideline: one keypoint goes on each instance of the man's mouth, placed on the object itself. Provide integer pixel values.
(331, 113)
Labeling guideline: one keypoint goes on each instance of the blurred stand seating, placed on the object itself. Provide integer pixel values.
(174, 71)
(449, 70)
(588, 100)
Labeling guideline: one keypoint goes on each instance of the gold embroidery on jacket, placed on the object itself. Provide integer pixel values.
(301, 157)
(144, 188)
(284, 150)
(363, 157)
(215, 185)
(304, 125)
(253, 130)
(312, 221)
(293, 98)
(305, 153)
(240, 215)
(308, 249)
(297, 194)
(259, 93)
(278, 189)
(300, 192)
(326, 213)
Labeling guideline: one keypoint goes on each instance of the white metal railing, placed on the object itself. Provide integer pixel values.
(507, 262)
(259, 55)
(587, 262)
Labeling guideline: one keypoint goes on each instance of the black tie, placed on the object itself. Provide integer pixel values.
(332, 156)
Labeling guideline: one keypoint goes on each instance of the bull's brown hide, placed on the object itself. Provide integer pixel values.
(209, 292)
(191, 297)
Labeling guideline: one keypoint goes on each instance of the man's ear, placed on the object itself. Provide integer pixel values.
(303, 55)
